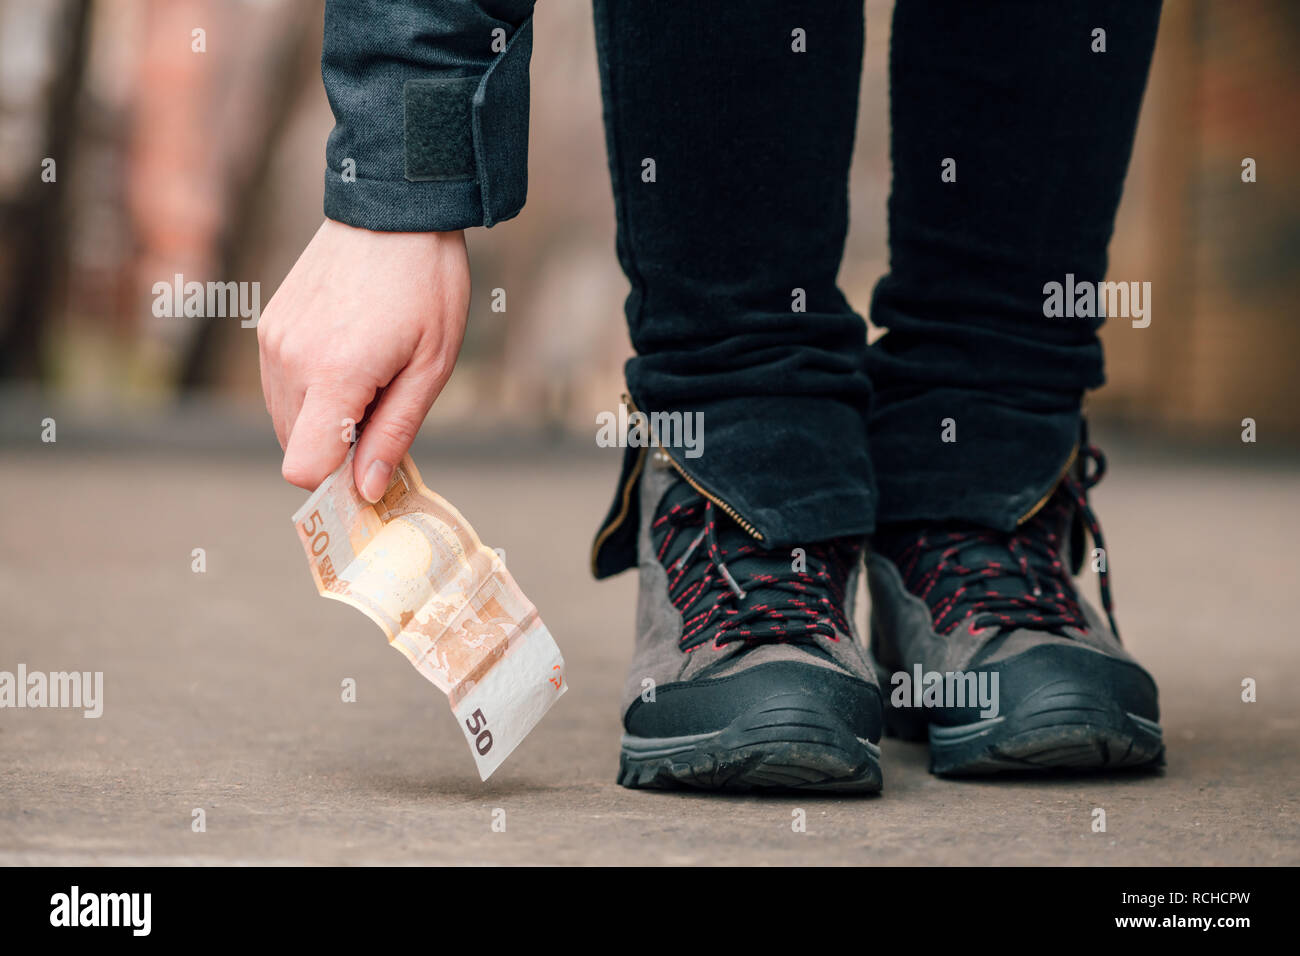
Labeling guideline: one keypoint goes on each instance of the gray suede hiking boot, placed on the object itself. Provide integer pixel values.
(747, 673)
(988, 650)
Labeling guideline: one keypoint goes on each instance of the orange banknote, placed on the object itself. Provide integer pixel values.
(414, 566)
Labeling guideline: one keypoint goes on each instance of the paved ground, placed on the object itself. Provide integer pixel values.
(222, 690)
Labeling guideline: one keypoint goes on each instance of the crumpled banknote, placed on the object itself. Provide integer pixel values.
(414, 566)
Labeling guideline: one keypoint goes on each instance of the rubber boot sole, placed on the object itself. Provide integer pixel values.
(1068, 711)
(787, 742)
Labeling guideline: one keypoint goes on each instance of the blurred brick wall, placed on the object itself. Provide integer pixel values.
(1221, 254)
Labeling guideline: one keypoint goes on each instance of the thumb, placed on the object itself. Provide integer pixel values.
(318, 440)
(392, 427)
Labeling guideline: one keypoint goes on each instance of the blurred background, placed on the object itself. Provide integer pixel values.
(210, 164)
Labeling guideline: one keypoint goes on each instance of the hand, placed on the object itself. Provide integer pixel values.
(361, 311)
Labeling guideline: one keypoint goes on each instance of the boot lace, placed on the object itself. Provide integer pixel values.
(726, 586)
(1006, 580)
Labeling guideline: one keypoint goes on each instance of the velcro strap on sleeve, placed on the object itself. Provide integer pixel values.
(438, 128)
(474, 128)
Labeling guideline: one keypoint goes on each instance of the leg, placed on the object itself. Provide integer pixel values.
(746, 673)
(1041, 129)
(751, 143)
(977, 535)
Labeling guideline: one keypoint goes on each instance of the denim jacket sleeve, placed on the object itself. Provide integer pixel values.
(430, 102)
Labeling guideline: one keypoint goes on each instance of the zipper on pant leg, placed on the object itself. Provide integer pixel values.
(727, 509)
(1069, 463)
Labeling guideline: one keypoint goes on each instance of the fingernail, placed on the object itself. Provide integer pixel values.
(375, 483)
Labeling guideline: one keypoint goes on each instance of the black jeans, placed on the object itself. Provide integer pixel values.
(741, 219)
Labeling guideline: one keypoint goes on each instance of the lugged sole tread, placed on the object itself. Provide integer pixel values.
(761, 751)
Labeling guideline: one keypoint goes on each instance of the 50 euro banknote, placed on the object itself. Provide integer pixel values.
(414, 566)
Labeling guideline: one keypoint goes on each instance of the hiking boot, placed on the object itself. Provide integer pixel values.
(959, 611)
(747, 673)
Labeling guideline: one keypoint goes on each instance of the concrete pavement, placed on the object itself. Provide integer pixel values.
(222, 690)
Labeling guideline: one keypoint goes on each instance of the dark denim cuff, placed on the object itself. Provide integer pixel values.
(794, 468)
(442, 153)
(1004, 462)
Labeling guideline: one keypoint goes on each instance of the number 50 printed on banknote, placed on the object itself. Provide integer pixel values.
(414, 566)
